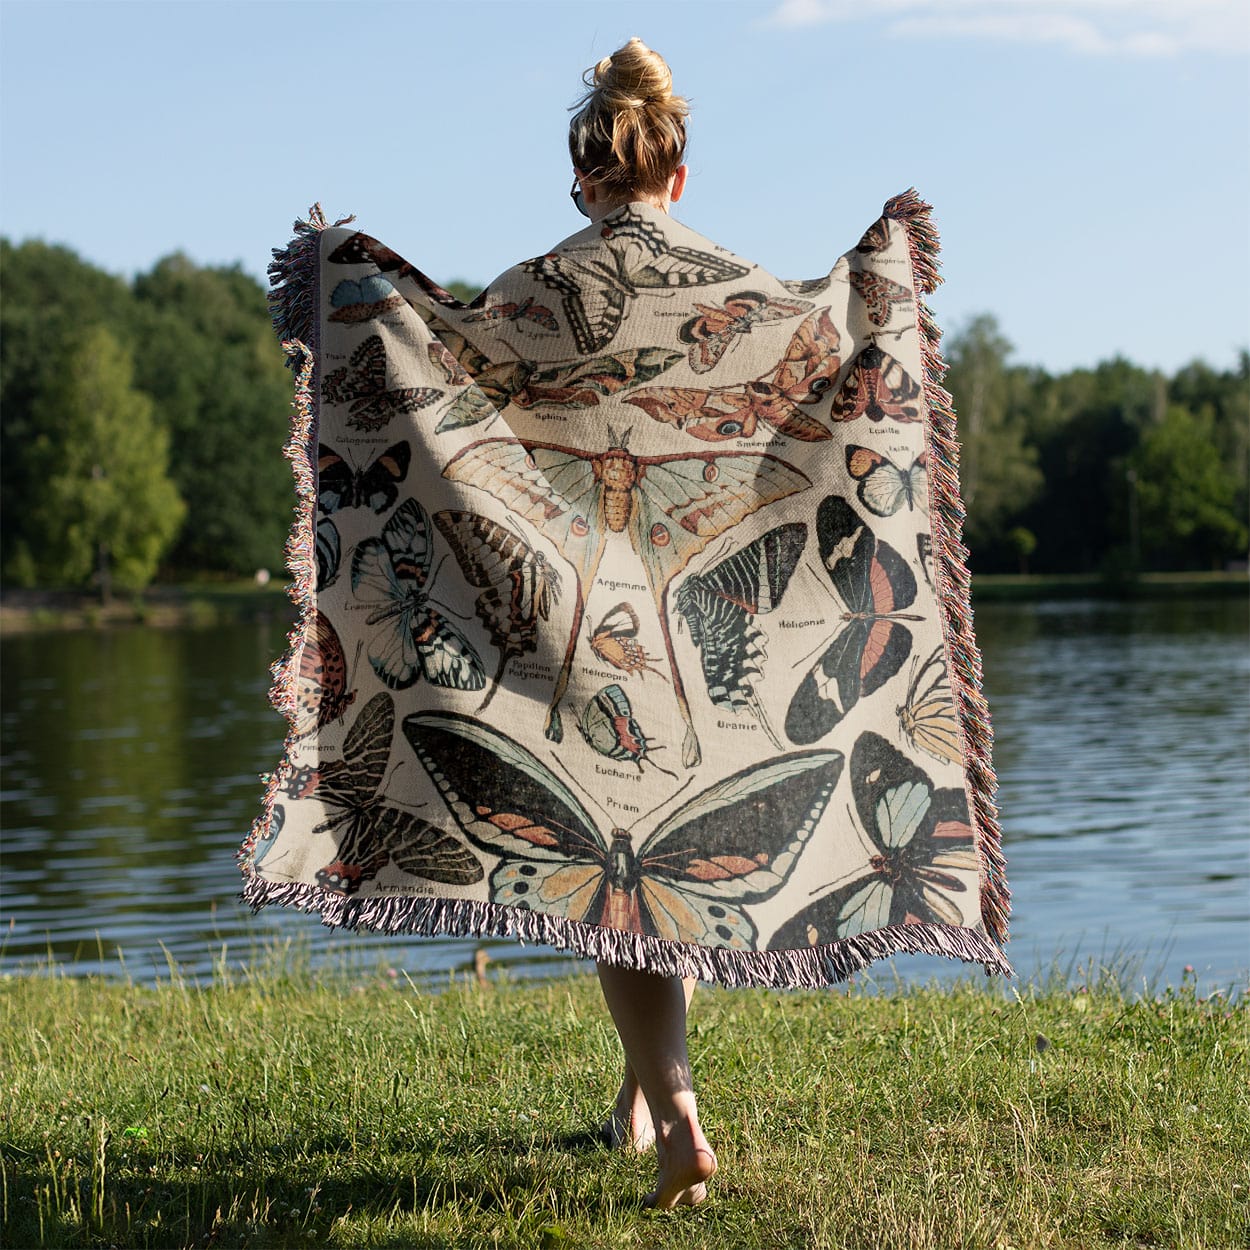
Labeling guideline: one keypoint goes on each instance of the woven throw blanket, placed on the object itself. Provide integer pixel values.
(634, 617)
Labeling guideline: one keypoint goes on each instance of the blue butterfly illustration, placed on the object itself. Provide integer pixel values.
(410, 637)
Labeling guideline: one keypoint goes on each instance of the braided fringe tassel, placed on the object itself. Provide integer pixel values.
(293, 303)
(810, 968)
(951, 566)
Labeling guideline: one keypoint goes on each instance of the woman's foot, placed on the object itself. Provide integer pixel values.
(686, 1165)
(629, 1126)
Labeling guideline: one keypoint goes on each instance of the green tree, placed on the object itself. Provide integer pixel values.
(51, 296)
(106, 506)
(208, 357)
(997, 467)
(1186, 495)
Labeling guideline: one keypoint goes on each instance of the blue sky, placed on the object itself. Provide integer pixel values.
(1089, 160)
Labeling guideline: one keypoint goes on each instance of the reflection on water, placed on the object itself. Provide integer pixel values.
(131, 758)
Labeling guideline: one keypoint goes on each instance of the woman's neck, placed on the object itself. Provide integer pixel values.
(602, 208)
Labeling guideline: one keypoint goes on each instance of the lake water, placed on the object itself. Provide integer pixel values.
(130, 762)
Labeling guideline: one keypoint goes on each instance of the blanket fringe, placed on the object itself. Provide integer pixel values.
(810, 968)
(293, 303)
(950, 559)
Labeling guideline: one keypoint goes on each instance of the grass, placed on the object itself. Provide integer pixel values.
(292, 1109)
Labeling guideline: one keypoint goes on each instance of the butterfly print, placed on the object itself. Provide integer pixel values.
(880, 294)
(803, 377)
(615, 642)
(268, 835)
(321, 693)
(874, 583)
(670, 506)
(927, 716)
(362, 301)
(489, 386)
(720, 607)
(879, 388)
(609, 726)
(370, 832)
(519, 585)
(634, 256)
(922, 853)
(876, 238)
(410, 637)
(717, 327)
(526, 314)
(734, 844)
(375, 487)
(362, 385)
(329, 553)
(883, 487)
(361, 249)
(581, 384)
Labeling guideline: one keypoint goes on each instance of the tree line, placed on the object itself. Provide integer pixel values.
(142, 424)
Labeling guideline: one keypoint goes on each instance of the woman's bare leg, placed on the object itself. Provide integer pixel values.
(629, 1125)
(650, 1015)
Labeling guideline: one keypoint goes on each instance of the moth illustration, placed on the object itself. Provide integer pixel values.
(884, 487)
(362, 249)
(927, 715)
(720, 607)
(572, 385)
(410, 636)
(873, 583)
(376, 486)
(609, 726)
(371, 832)
(364, 300)
(526, 314)
(329, 552)
(635, 257)
(615, 642)
(806, 286)
(519, 585)
(670, 507)
(713, 414)
(361, 385)
(878, 388)
(876, 238)
(881, 295)
(732, 845)
(921, 841)
(321, 693)
(718, 326)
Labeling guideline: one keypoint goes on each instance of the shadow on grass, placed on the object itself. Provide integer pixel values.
(264, 1198)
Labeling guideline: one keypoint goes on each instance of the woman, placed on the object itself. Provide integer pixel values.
(628, 141)
(632, 622)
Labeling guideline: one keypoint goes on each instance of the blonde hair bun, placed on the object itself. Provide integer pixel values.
(629, 132)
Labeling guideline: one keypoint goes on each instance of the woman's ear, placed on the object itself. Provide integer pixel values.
(588, 186)
(678, 185)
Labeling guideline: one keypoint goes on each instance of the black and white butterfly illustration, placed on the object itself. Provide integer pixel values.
(883, 486)
(873, 583)
(361, 386)
(376, 486)
(411, 637)
(720, 607)
(921, 840)
(734, 844)
(371, 832)
(635, 257)
(519, 585)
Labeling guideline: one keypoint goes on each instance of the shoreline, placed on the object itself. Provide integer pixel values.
(201, 605)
